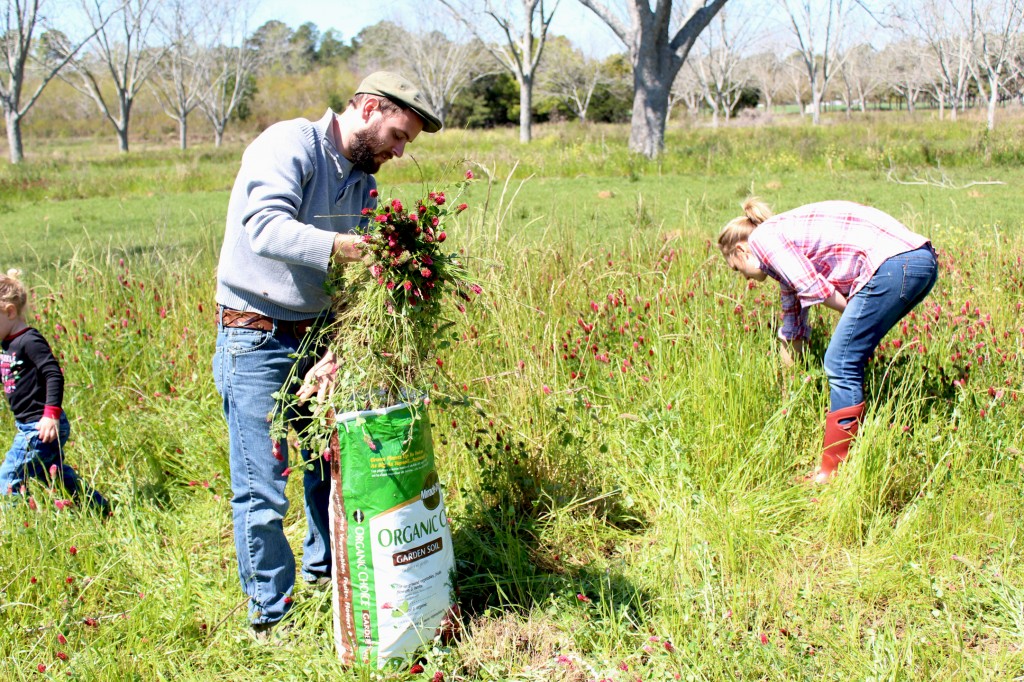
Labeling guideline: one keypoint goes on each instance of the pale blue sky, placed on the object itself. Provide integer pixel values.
(349, 16)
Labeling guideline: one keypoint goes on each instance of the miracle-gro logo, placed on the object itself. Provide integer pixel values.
(413, 532)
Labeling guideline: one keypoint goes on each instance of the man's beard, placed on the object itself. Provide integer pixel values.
(362, 149)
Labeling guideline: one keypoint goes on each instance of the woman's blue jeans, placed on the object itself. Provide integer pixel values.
(248, 367)
(896, 287)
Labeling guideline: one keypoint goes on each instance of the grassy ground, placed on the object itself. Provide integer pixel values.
(623, 496)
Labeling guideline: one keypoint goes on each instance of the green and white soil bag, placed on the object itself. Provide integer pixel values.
(393, 561)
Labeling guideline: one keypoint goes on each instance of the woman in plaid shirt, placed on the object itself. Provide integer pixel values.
(852, 258)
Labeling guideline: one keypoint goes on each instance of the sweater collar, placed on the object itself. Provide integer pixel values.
(345, 170)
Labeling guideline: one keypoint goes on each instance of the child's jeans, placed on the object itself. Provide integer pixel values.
(29, 457)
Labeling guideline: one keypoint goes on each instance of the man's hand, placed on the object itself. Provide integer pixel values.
(790, 351)
(347, 248)
(47, 429)
(319, 380)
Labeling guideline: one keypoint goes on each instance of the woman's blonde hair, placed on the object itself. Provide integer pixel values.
(738, 230)
(12, 290)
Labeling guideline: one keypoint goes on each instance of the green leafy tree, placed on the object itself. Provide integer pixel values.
(489, 101)
(332, 49)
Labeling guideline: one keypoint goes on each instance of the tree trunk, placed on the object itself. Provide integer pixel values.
(525, 103)
(14, 136)
(650, 111)
(993, 99)
(122, 129)
(816, 107)
(183, 132)
(218, 136)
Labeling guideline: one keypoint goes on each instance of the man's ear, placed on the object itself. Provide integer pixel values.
(370, 105)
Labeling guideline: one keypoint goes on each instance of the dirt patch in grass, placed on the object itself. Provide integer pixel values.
(509, 644)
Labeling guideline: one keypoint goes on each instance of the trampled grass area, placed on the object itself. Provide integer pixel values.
(621, 487)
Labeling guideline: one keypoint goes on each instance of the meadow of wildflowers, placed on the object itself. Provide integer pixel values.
(618, 444)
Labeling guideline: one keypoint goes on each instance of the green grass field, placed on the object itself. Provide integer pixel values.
(621, 484)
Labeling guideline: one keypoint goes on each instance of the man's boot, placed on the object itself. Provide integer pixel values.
(840, 427)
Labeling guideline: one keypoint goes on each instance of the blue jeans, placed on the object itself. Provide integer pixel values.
(896, 287)
(29, 457)
(248, 367)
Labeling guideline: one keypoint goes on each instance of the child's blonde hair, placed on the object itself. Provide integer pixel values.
(738, 230)
(12, 290)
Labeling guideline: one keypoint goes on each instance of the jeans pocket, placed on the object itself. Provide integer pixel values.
(917, 278)
(242, 341)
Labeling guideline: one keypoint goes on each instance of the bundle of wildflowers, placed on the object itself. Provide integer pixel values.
(391, 312)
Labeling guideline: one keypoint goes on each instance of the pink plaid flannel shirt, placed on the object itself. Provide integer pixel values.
(825, 247)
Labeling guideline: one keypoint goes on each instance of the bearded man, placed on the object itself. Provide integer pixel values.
(298, 196)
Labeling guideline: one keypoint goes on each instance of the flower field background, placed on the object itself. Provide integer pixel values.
(620, 451)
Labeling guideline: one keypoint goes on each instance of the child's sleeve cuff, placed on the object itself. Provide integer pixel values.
(52, 412)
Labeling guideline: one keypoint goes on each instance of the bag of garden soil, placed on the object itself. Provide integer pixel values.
(392, 547)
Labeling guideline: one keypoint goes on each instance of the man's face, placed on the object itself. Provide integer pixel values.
(383, 137)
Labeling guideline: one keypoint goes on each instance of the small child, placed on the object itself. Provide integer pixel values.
(852, 258)
(34, 386)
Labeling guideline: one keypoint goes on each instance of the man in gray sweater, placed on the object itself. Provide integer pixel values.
(296, 200)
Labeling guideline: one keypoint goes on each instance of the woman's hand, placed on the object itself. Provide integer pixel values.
(836, 301)
(790, 351)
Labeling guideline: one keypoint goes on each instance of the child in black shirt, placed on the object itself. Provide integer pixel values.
(34, 387)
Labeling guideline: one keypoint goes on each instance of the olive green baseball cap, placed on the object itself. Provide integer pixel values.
(401, 91)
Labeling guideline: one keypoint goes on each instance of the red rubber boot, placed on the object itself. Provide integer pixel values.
(840, 428)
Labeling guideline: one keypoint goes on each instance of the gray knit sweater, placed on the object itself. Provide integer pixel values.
(293, 193)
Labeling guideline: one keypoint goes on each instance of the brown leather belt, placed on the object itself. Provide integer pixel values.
(240, 319)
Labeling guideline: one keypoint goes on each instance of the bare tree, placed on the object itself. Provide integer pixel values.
(945, 29)
(180, 77)
(521, 46)
(122, 55)
(817, 26)
(907, 70)
(442, 66)
(996, 28)
(717, 65)
(766, 72)
(232, 64)
(687, 89)
(861, 75)
(22, 18)
(796, 80)
(571, 76)
(657, 50)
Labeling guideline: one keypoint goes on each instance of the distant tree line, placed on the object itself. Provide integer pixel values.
(121, 61)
